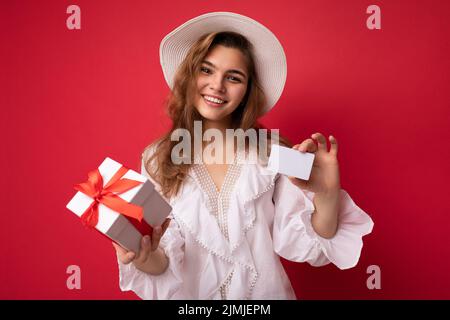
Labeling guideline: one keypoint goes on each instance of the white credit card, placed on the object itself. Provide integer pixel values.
(291, 162)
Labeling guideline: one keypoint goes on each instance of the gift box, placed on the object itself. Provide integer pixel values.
(120, 203)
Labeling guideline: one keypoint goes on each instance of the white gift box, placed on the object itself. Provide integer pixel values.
(115, 225)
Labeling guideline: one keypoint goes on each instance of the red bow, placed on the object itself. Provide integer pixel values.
(104, 195)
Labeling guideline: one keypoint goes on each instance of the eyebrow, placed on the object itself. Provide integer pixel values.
(229, 71)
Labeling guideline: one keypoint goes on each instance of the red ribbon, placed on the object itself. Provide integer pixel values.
(93, 188)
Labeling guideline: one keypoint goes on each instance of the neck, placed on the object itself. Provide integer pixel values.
(221, 125)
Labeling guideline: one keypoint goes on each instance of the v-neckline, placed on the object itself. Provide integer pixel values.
(231, 169)
(211, 180)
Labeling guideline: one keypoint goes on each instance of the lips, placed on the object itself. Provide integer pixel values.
(212, 103)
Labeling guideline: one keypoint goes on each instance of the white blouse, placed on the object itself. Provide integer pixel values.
(227, 244)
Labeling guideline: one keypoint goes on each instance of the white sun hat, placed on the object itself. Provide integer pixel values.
(270, 59)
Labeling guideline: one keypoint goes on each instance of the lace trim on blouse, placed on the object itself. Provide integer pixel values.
(218, 201)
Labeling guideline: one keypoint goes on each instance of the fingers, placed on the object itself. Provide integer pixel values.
(129, 256)
(156, 236)
(149, 244)
(306, 146)
(124, 256)
(145, 248)
(309, 145)
(158, 232)
(119, 249)
(334, 145)
(322, 142)
(165, 225)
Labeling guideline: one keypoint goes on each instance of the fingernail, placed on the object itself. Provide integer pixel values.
(146, 239)
(158, 230)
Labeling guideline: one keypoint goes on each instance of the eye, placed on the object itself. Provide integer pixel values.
(234, 79)
(205, 70)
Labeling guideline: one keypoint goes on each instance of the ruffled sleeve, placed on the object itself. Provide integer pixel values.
(295, 239)
(168, 284)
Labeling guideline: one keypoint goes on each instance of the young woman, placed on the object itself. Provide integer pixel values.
(231, 222)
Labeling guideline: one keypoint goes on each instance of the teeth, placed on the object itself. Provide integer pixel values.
(215, 100)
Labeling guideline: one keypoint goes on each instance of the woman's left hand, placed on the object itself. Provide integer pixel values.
(324, 176)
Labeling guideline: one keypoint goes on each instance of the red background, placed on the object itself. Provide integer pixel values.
(72, 97)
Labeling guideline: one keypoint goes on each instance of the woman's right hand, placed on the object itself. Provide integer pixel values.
(148, 246)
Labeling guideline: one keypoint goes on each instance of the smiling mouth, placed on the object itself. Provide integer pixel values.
(213, 101)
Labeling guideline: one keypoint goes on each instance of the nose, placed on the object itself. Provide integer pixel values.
(217, 83)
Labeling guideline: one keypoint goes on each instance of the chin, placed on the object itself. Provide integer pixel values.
(211, 115)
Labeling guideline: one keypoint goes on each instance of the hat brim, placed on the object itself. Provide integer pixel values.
(270, 59)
